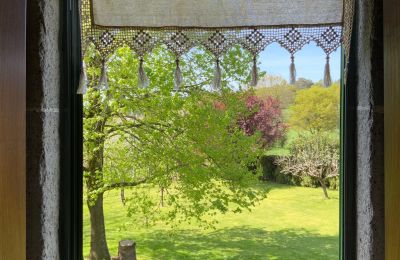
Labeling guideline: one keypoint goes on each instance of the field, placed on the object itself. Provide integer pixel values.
(291, 223)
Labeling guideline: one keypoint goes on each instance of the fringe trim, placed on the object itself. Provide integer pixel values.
(292, 69)
(327, 73)
(217, 76)
(254, 73)
(143, 80)
(103, 82)
(82, 87)
(178, 78)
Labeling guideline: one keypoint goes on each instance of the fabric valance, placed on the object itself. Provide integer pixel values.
(215, 13)
(215, 25)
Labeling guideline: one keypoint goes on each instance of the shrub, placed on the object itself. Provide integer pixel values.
(272, 172)
(314, 156)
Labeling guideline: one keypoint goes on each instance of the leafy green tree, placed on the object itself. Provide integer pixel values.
(302, 83)
(314, 155)
(284, 93)
(316, 109)
(175, 142)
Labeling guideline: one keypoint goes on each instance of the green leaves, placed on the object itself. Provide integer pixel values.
(178, 142)
(316, 109)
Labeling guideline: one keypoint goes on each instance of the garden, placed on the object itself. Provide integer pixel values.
(291, 223)
(188, 171)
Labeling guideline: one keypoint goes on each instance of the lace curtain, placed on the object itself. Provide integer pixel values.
(215, 25)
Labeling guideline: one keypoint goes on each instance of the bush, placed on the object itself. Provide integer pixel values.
(313, 156)
(269, 168)
(273, 173)
(334, 183)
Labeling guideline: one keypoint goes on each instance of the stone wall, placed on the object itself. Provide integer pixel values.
(43, 120)
(368, 81)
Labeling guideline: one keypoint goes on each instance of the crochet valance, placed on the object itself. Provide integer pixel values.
(215, 25)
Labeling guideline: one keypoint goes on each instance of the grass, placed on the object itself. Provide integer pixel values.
(291, 223)
(292, 134)
(283, 150)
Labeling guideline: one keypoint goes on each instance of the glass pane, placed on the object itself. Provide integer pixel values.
(237, 173)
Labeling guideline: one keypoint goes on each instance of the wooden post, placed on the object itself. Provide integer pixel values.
(392, 127)
(13, 129)
(127, 250)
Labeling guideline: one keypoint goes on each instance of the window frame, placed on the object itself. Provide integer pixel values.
(71, 182)
(348, 156)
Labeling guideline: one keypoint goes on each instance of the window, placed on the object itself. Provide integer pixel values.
(143, 80)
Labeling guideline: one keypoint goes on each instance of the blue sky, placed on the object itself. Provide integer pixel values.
(310, 62)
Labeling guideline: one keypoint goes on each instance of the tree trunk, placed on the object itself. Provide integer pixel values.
(122, 196)
(94, 144)
(324, 188)
(127, 250)
(98, 242)
(162, 197)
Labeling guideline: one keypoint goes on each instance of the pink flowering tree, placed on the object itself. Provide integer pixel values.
(265, 117)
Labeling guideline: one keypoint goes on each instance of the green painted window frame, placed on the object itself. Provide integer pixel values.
(348, 156)
(71, 181)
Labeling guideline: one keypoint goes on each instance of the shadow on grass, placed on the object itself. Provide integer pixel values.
(239, 243)
(267, 186)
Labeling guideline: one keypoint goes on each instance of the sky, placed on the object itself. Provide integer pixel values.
(310, 62)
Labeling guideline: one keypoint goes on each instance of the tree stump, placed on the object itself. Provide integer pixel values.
(127, 250)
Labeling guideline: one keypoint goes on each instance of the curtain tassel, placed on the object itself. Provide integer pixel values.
(82, 88)
(217, 76)
(327, 73)
(143, 80)
(178, 78)
(292, 71)
(103, 82)
(254, 73)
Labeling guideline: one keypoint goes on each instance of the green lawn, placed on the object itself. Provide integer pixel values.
(291, 223)
(283, 150)
(291, 136)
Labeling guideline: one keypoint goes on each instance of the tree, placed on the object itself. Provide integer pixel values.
(316, 109)
(145, 139)
(285, 94)
(313, 155)
(268, 81)
(265, 117)
(302, 83)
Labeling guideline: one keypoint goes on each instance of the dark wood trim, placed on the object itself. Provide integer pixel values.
(392, 127)
(12, 129)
